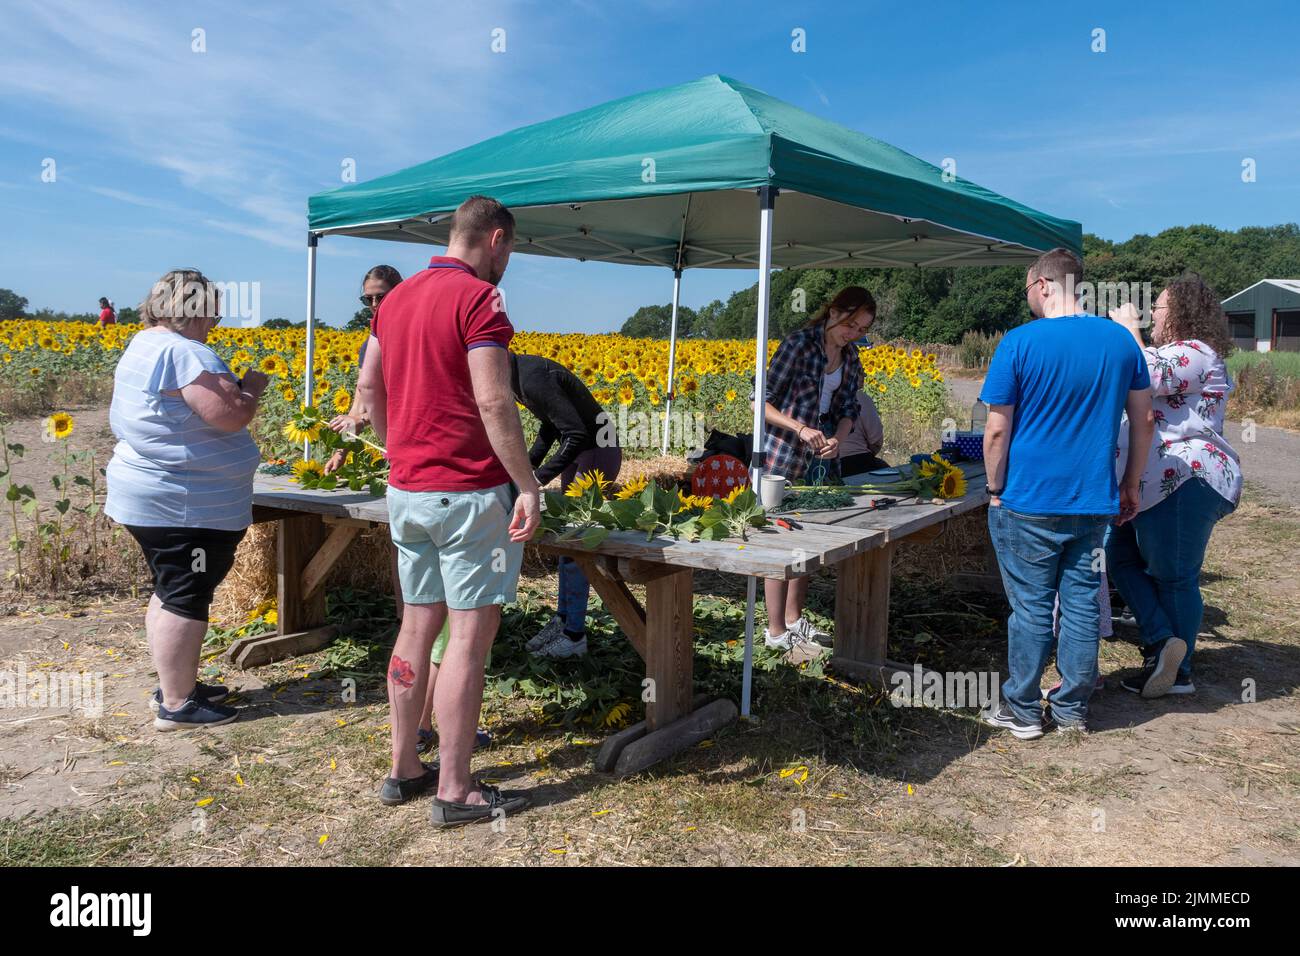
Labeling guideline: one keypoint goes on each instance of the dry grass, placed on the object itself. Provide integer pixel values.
(1201, 781)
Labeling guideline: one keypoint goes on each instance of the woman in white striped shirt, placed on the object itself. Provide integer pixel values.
(181, 480)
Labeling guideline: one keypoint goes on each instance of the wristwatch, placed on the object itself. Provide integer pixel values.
(993, 492)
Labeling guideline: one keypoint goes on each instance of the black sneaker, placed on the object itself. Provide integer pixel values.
(212, 693)
(1139, 680)
(1004, 719)
(393, 792)
(498, 803)
(1159, 671)
(1183, 685)
(193, 713)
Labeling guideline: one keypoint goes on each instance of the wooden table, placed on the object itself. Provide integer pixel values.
(315, 529)
(863, 580)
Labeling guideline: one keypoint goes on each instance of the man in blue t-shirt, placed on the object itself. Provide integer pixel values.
(1055, 389)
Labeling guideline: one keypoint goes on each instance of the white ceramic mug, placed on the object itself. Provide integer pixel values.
(771, 490)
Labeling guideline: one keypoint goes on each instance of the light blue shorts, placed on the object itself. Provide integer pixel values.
(455, 546)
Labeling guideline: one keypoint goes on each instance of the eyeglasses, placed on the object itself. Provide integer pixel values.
(1031, 285)
(372, 300)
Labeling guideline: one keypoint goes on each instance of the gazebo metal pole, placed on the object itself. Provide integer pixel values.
(766, 200)
(309, 376)
(672, 358)
(678, 264)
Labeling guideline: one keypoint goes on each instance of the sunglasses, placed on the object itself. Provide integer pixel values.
(372, 300)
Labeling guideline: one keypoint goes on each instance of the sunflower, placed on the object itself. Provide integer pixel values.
(304, 467)
(632, 488)
(273, 365)
(289, 395)
(953, 484)
(296, 433)
(687, 502)
(342, 401)
(626, 395)
(731, 394)
(59, 425)
(732, 495)
(578, 487)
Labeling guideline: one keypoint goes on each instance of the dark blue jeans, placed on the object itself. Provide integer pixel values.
(1041, 557)
(1155, 561)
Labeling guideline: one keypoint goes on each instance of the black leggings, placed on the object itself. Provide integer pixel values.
(187, 565)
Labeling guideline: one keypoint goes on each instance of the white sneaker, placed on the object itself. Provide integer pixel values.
(816, 635)
(553, 629)
(803, 650)
(779, 643)
(562, 647)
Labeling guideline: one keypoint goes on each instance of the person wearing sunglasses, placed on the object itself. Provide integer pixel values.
(378, 282)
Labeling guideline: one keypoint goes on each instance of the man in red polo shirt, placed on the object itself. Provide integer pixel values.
(462, 498)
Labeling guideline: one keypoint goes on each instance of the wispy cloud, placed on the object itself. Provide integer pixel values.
(264, 116)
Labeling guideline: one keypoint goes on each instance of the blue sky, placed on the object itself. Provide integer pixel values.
(166, 157)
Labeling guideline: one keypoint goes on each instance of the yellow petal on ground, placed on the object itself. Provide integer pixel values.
(204, 802)
(688, 829)
(323, 838)
(334, 764)
(116, 763)
(196, 779)
(910, 790)
(239, 781)
(600, 813)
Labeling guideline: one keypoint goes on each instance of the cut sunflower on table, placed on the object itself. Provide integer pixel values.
(935, 478)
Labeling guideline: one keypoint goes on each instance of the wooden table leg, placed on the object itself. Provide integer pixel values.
(862, 612)
(675, 719)
(300, 626)
(669, 648)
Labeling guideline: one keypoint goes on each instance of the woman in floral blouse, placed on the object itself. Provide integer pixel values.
(1192, 479)
(812, 402)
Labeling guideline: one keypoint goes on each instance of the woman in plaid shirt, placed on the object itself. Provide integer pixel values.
(812, 402)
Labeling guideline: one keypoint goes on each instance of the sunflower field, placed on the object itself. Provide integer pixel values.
(629, 377)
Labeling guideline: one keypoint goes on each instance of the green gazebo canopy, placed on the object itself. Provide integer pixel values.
(648, 178)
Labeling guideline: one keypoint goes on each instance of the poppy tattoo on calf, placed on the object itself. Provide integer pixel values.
(400, 672)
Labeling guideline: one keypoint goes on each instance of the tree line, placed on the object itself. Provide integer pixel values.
(942, 305)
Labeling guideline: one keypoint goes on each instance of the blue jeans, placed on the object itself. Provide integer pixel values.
(1043, 557)
(571, 604)
(1155, 560)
